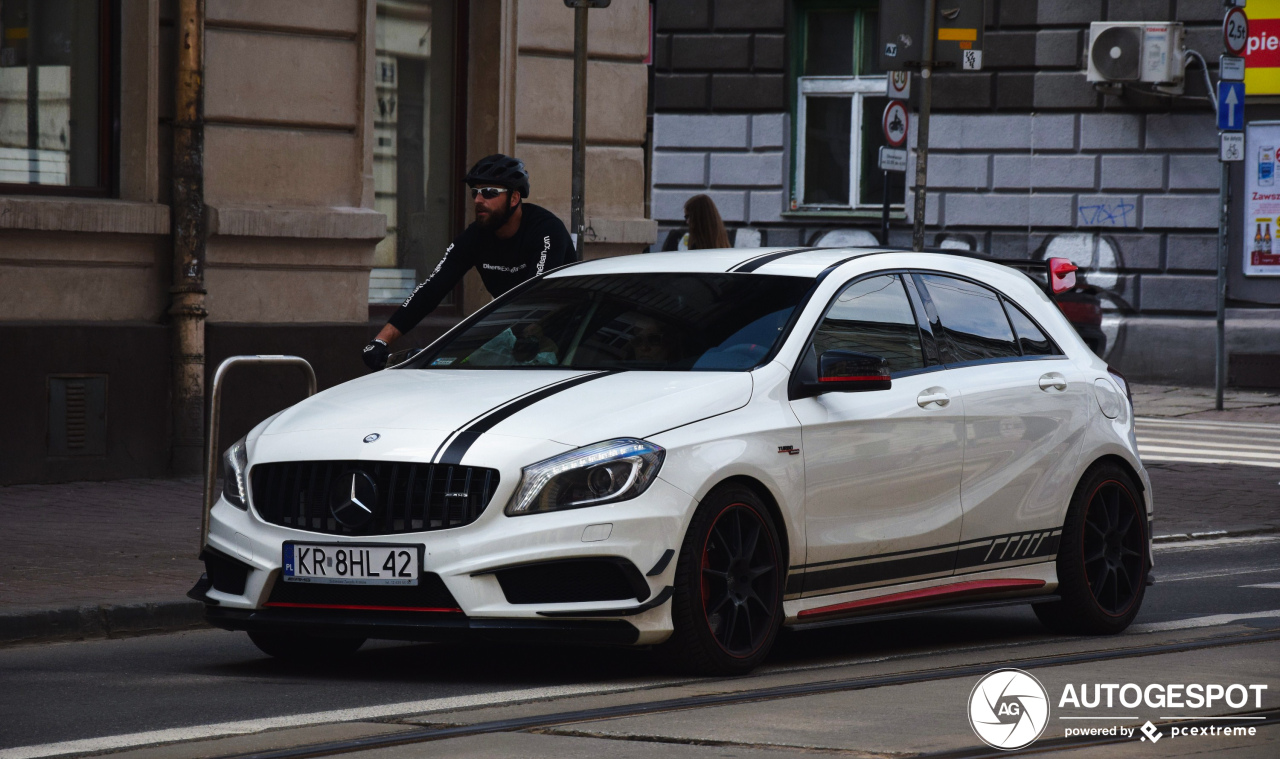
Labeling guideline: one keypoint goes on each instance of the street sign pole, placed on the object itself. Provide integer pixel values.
(1230, 117)
(884, 213)
(1220, 358)
(922, 134)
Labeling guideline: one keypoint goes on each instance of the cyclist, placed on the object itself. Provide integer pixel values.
(509, 242)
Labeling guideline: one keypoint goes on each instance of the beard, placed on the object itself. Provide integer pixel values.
(494, 221)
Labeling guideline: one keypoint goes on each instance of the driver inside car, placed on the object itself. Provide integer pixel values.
(531, 348)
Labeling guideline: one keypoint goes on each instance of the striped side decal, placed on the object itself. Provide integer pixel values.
(842, 575)
(939, 593)
(751, 264)
(464, 437)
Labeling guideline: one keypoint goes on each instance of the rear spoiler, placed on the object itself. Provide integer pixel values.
(1054, 275)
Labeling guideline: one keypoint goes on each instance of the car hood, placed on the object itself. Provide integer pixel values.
(570, 407)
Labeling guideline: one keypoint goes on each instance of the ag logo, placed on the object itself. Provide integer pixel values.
(1008, 709)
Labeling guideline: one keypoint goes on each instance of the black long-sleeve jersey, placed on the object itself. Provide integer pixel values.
(540, 244)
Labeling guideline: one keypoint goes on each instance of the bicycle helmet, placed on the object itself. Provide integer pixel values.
(500, 170)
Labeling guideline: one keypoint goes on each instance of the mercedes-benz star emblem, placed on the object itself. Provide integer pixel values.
(353, 498)
(372, 436)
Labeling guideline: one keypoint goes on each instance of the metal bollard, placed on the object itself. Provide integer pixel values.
(211, 452)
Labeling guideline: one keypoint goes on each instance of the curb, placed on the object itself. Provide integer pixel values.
(102, 621)
(1184, 537)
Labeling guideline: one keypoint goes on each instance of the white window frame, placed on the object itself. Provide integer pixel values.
(857, 87)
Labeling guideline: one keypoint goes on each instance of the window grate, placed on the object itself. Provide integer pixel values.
(77, 415)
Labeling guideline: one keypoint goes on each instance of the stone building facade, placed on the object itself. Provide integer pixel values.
(1027, 159)
(330, 126)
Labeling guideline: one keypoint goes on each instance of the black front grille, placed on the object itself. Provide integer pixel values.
(411, 497)
(430, 594)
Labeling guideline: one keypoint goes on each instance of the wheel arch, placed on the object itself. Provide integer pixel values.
(770, 503)
(1121, 462)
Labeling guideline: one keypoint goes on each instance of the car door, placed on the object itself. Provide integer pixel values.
(882, 467)
(1026, 407)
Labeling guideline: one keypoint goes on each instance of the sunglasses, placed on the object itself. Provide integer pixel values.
(488, 193)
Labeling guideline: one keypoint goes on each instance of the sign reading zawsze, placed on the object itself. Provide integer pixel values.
(1262, 52)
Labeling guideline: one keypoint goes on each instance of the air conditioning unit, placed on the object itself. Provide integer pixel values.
(1137, 51)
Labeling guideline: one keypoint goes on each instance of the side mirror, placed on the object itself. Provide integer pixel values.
(845, 372)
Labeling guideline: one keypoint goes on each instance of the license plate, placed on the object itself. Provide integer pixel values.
(352, 564)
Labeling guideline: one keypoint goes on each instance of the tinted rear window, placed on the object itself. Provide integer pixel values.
(657, 322)
(1031, 338)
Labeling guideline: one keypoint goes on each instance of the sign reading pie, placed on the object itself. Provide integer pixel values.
(1262, 52)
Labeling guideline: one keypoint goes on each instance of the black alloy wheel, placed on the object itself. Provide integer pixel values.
(1102, 556)
(727, 605)
(739, 580)
(1113, 547)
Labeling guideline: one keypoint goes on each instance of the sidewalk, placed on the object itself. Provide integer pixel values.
(94, 559)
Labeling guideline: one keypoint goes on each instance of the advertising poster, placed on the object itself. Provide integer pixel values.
(1262, 200)
(1262, 51)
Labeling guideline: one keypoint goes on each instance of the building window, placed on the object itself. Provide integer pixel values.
(55, 109)
(414, 178)
(840, 97)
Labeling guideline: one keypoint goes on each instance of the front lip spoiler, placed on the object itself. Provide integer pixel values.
(423, 627)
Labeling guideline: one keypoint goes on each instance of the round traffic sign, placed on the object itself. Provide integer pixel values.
(1235, 31)
(895, 123)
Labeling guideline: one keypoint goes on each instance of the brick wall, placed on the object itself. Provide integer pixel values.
(1028, 151)
(719, 55)
(1028, 160)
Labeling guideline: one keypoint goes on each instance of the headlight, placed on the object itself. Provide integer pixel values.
(607, 472)
(235, 466)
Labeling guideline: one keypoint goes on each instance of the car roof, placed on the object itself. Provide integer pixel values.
(800, 261)
(796, 262)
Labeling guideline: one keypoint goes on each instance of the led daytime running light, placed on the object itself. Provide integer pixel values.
(235, 467)
(644, 460)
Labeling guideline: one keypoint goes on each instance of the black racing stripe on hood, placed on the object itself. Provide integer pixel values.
(752, 264)
(468, 435)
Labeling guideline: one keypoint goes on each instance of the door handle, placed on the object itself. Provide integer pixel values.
(933, 395)
(1053, 381)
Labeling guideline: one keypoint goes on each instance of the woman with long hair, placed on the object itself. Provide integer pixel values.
(706, 229)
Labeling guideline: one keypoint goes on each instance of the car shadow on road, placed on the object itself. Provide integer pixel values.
(517, 666)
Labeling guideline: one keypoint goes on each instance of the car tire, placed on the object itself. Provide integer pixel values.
(297, 648)
(727, 602)
(1102, 556)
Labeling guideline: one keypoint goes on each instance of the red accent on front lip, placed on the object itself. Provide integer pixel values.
(942, 591)
(867, 378)
(364, 608)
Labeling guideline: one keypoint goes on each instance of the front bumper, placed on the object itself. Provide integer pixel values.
(469, 560)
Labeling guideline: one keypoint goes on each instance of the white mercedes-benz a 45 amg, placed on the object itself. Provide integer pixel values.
(689, 451)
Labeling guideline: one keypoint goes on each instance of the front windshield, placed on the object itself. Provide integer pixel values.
(653, 322)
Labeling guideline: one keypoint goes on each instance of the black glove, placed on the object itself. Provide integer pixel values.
(375, 354)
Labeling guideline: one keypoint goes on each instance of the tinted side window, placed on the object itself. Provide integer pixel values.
(972, 318)
(873, 316)
(1030, 338)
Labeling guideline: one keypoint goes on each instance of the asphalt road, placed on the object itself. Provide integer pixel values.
(68, 691)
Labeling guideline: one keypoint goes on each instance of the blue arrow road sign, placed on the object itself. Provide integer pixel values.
(1231, 106)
